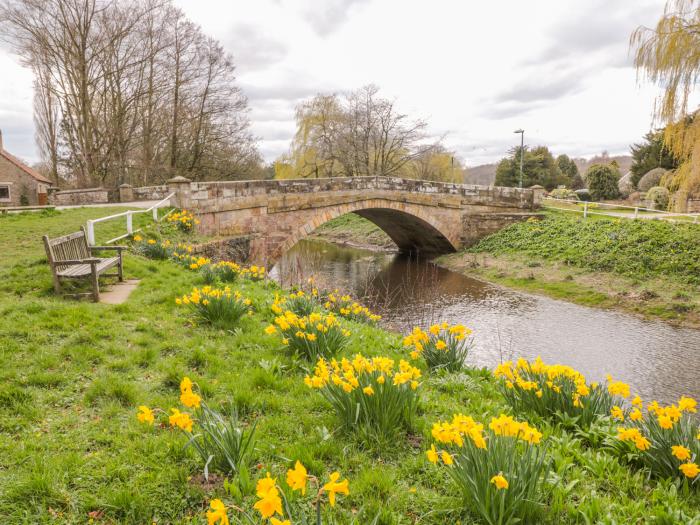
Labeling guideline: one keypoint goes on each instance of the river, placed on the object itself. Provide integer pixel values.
(658, 360)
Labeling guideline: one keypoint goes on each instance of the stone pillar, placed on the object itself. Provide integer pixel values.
(181, 187)
(538, 193)
(51, 194)
(126, 193)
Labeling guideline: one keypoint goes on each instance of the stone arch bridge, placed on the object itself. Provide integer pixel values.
(267, 217)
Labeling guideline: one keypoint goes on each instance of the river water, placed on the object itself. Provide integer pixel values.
(659, 361)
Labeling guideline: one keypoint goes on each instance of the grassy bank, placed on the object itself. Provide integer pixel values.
(73, 374)
(352, 230)
(648, 267)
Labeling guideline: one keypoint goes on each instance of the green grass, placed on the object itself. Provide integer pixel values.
(639, 249)
(72, 374)
(353, 229)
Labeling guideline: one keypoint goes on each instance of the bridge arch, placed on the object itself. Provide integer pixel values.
(412, 228)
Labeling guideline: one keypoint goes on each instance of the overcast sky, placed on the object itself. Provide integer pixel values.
(476, 70)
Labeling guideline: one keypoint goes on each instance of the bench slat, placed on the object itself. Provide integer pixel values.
(81, 270)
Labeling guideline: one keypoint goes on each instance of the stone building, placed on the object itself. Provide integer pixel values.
(20, 185)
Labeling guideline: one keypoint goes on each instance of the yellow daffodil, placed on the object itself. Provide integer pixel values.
(446, 458)
(145, 415)
(334, 487)
(690, 470)
(499, 481)
(275, 521)
(680, 452)
(617, 413)
(432, 454)
(297, 477)
(368, 390)
(217, 513)
(181, 420)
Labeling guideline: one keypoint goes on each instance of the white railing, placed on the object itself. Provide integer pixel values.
(617, 210)
(90, 225)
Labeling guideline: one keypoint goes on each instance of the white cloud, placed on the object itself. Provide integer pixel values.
(560, 69)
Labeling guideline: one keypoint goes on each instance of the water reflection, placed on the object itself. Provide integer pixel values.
(658, 360)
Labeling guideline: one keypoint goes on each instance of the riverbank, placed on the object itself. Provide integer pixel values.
(644, 267)
(74, 374)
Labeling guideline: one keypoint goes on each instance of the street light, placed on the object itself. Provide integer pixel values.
(522, 152)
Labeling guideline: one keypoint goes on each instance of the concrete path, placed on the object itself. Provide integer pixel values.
(118, 293)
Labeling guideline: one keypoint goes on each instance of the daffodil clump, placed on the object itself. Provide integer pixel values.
(153, 249)
(557, 392)
(312, 336)
(222, 442)
(665, 439)
(299, 302)
(183, 219)
(344, 306)
(501, 471)
(222, 271)
(284, 503)
(217, 306)
(443, 346)
(372, 396)
(254, 273)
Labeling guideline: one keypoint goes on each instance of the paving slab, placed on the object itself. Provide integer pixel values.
(118, 293)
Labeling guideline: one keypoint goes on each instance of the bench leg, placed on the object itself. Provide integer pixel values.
(57, 284)
(121, 268)
(95, 287)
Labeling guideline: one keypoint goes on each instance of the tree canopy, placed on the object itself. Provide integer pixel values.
(569, 169)
(668, 56)
(539, 167)
(649, 154)
(602, 180)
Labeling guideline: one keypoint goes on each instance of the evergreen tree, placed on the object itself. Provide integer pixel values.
(539, 167)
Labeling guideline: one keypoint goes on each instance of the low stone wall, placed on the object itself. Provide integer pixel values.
(128, 193)
(79, 197)
(693, 206)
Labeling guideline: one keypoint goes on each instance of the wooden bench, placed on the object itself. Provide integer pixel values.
(70, 257)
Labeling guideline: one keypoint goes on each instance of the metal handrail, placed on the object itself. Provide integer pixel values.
(129, 214)
(586, 211)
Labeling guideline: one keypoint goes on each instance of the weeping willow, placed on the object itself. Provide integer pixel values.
(669, 56)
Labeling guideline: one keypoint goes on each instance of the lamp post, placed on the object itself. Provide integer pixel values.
(522, 152)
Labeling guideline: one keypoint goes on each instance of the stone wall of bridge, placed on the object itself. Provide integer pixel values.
(420, 216)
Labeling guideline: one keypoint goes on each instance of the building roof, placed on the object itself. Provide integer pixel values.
(19, 164)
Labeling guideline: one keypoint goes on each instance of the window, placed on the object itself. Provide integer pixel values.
(4, 192)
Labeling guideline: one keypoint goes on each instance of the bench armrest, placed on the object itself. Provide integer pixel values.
(74, 262)
(117, 248)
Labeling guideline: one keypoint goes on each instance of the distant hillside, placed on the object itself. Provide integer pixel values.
(486, 173)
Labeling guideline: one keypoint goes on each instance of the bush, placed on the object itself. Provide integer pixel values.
(224, 271)
(556, 392)
(443, 346)
(583, 194)
(311, 337)
(650, 179)
(216, 306)
(658, 197)
(666, 440)
(369, 396)
(344, 306)
(564, 193)
(601, 180)
(502, 476)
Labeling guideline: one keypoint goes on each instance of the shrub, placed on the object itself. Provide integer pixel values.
(344, 306)
(557, 392)
(224, 271)
(219, 307)
(369, 396)
(184, 220)
(502, 474)
(564, 193)
(298, 302)
(310, 337)
(277, 501)
(666, 440)
(650, 179)
(658, 197)
(443, 346)
(601, 180)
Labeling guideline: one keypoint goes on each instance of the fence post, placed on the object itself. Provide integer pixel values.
(636, 212)
(585, 209)
(155, 214)
(129, 223)
(90, 233)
